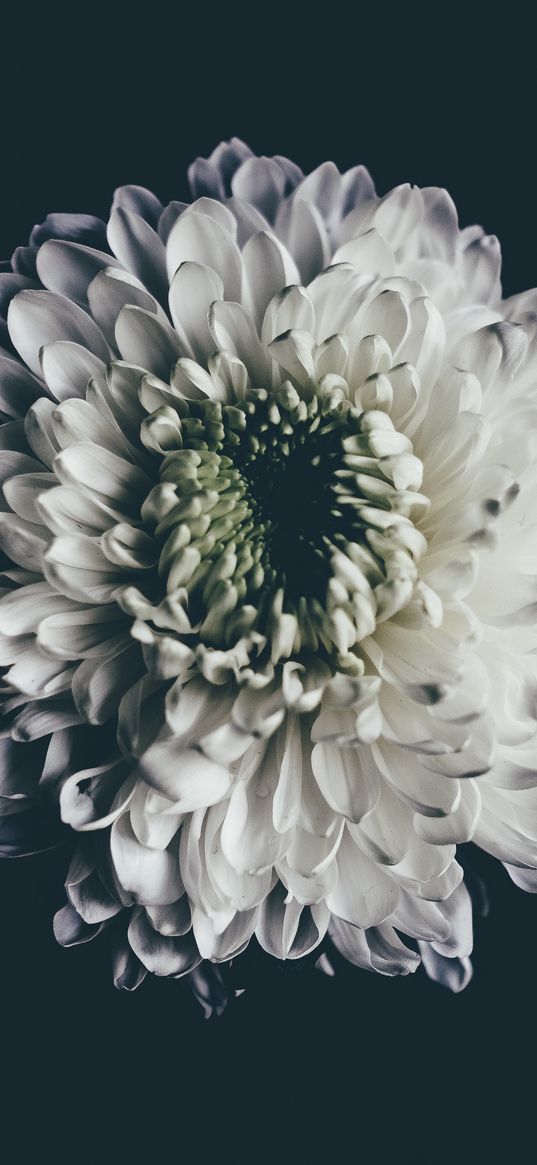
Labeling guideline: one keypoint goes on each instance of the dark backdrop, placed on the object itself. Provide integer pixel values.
(301, 1068)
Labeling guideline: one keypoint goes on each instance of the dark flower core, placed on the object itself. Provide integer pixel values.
(284, 508)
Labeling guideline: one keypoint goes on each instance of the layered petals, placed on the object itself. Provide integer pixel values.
(268, 602)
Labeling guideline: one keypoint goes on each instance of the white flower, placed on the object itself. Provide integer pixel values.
(269, 619)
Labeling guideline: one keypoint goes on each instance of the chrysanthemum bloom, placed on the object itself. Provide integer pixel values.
(269, 618)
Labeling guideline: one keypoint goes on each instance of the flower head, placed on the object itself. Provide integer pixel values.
(269, 622)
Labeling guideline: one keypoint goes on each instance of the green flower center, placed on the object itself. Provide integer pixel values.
(289, 518)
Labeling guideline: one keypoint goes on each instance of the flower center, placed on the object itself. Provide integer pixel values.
(290, 518)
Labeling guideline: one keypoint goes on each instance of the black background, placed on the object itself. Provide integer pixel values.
(301, 1068)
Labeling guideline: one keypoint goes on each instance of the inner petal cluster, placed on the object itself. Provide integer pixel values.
(285, 516)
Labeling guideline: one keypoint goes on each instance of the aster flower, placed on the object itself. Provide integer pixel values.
(268, 624)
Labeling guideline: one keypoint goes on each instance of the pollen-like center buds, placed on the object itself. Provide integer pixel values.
(288, 518)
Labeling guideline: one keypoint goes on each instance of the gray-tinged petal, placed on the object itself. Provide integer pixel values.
(357, 186)
(13, 437)
(10, 285)
(209, 988)
(76, 228)
(224, 161)
(262, 182)
(98, 686)
(168, 218)
(113, 289)
(145, 341)
(20, 768)
(453, 973)
(68, 268)
(25, 830)
(293, 174)
(36, 318)
(23, 261)
(138, 200)
(92, 798)
(128, 971)
(205, 180)
(70, 929)
(41, 717)
(86, 891)
(288, 930)
(300, 225)
(172, 919)
(389, 955)
(18, 388)
(161, 955)
(140, 250)
(523, 877)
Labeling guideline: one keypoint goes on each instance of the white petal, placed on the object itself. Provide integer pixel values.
(460, 825)
(524, 878)
(347, 777)
(22, 492)
(113, 289)
(105, 474)
(68, 268)
(68, 367)
(322, 187)
(36, 318)
(286, 929)
(250, 842)
(66, 510)
(301, 226)
(200, 239)
(146, 341)
(39, 431)
(369, 253)
(92, 798)
(268, 268)
(185, 776)
(172, 919)
(294, 351)
(365, 894)
(75, 634)
(193, 289)
(150, 876)
(21, 610)
(77, 566)
(287, 796)
(249, 220)
(336, 295)
(398, 214)
(23, 542)
(234, 331)
(261, 182)
(99, 686)
(290, 308)
(139, 249)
